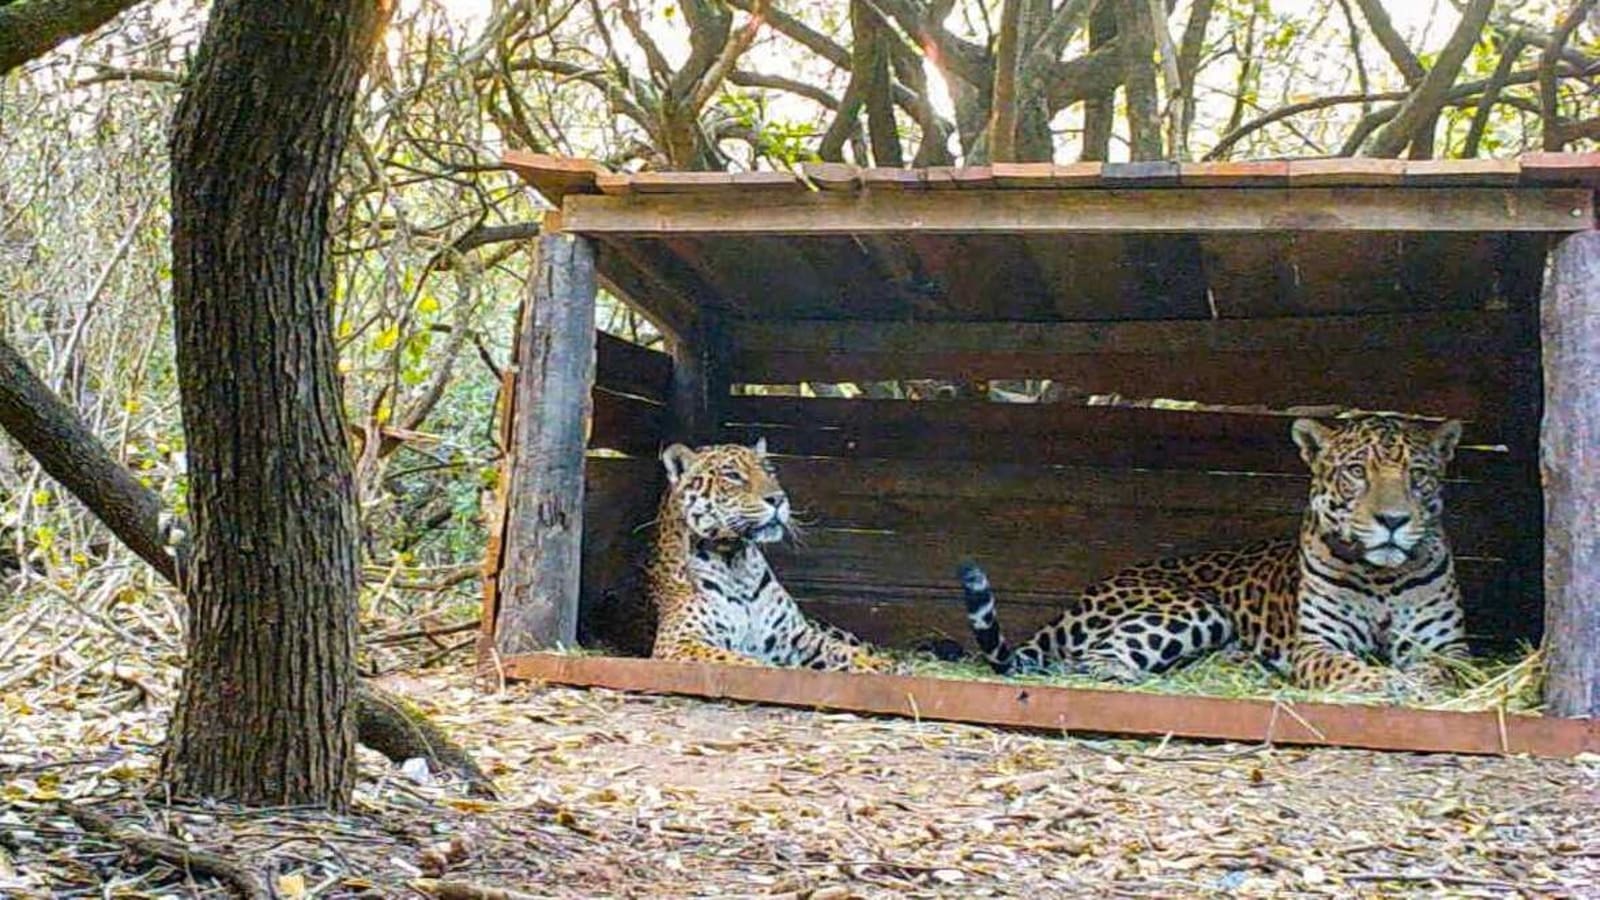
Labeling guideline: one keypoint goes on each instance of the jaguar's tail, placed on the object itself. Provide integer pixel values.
(984, 618)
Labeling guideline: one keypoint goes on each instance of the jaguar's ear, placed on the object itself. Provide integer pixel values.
(760, 446)
(676, 459)
(1311, 436)
(1445, 439)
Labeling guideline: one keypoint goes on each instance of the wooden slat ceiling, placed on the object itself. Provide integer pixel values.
(1359, 235)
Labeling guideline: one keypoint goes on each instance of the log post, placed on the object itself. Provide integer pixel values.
(537, 601)
(1569, 458)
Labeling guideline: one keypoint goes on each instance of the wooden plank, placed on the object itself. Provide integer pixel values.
(1570, 322)
(1425, 372)
(1560, 168)
(615, 185)
(1024, 212)
(1451, 332)
(890, 179)
(699, 382)
(627, 368)
(539, 581)
(1053, 433)
(1355, 170)
(1067, 710)
(1046, 175)
(1454, 172)
(1255, 173)
(627, 424)
(832, 176)
(554, 177)
(1148, 173)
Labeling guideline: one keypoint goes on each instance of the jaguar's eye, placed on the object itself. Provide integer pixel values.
(1354, 471)
(1421, 479)
(735, 476)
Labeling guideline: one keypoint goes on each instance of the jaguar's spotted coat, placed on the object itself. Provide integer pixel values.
(717, 598)
(1371, 577)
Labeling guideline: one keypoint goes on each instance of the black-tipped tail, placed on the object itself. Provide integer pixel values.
(984, 618)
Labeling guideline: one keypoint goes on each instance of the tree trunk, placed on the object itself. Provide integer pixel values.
(1569, 458)
(1100, 113)
(267, 710)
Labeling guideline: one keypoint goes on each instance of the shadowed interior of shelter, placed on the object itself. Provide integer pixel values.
(1106, 392)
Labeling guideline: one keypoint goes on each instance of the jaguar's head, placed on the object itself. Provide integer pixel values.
(728, 492)
(1376, 485)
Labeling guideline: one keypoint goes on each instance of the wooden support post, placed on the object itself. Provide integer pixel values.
(537, 604)
(699, 382)
(1570, 464)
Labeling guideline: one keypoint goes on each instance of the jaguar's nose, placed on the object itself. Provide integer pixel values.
(1392, 521)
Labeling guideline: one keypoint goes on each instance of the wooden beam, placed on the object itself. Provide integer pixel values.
(554, 177)
(877, 210)
(1056, 434)
(1446, 332)
(699, 382)
(537, 598)
(1570, 461)
(1066, 710)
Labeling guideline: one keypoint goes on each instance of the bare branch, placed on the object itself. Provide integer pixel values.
(1378, 20)
(1553, 138)
(813, 93)
(1480, 117)
(1189, 50)
(30, 30)
(1422, 107)
(735, 47)
(1002, 130)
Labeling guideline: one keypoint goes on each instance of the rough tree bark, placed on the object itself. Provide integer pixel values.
(33, 28)
(55, 435)
(1569, 459)
(266, 714)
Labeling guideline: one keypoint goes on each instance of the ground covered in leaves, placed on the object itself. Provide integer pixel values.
(608, 795)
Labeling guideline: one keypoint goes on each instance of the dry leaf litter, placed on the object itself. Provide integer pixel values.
(612, 795)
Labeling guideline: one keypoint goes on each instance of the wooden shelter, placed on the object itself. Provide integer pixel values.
(1181, 313)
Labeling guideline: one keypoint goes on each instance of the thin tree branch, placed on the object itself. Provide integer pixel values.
(1553, 138)
(813, 93)
(1189, 50)
(1378, 20)
(1480, 117)
(1136, 36)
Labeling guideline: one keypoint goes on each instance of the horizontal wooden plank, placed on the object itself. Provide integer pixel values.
(1254, 173)
(627, 368)
(1467, 388)
(1046, 175)
(1067, 710)
(736, 183)
(1560, 168)
(1454, 172)
(1354, 170)
(626, 424)
(1539, 209)
(554, 177)
(1053, 433)
(1447, 332)
(1144, 173)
